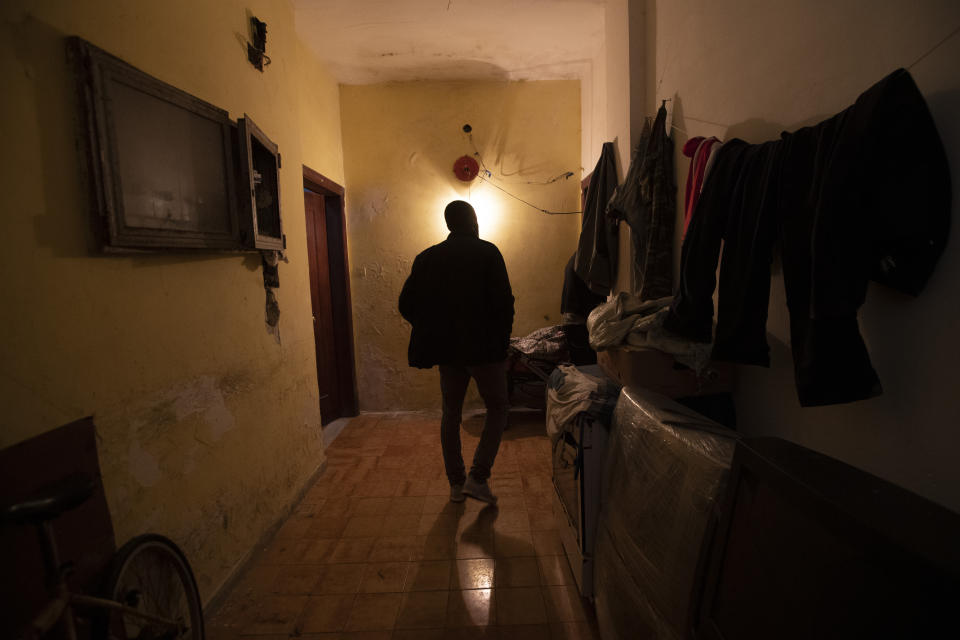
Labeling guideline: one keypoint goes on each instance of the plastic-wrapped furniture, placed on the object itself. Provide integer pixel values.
(666, 468)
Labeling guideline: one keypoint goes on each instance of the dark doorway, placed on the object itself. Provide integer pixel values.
(330, 296)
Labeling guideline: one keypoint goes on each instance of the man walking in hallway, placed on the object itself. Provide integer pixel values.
(460, 305)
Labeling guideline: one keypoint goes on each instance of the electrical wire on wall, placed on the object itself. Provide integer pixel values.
(486, 175)
(563, 176)
(529, 204)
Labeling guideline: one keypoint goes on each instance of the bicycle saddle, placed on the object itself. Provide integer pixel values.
(50, 501)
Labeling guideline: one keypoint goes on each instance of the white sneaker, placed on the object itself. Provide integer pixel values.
(456, 493)
(478, 491)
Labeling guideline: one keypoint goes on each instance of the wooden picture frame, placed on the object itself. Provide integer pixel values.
(159, 160)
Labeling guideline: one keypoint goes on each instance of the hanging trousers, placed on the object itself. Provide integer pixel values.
(863, 195)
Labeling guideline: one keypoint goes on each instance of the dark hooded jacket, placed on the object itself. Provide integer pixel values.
(459, 302)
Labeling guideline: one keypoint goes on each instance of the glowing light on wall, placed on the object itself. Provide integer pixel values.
(489, 208)
(486, 202)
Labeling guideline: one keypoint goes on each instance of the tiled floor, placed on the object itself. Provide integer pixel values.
(376, 550)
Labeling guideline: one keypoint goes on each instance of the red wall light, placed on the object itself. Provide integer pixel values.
(466, 168)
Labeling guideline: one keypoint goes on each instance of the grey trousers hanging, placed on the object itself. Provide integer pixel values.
(647, 201)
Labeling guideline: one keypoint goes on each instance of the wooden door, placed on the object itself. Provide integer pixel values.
(322, 302)
(330, 295)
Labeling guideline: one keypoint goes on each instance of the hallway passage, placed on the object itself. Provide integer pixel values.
(377, 551)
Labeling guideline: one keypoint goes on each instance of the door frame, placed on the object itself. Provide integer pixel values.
(342, 310)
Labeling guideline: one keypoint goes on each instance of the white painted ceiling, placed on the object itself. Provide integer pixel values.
(368, 41)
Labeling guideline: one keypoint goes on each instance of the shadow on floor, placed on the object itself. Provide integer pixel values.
(376, 549)
(520, 424)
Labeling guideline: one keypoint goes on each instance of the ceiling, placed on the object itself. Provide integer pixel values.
(369, 41)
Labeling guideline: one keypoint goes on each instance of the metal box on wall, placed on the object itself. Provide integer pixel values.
(259, 180)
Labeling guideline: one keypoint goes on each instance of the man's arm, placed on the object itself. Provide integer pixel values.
(500, 297)
(410, 294)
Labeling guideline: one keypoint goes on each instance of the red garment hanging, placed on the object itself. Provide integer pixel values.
(699, 150)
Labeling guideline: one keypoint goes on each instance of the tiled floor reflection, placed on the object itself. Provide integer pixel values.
(376, 551)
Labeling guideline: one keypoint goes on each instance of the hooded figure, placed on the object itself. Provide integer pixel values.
(460, 305)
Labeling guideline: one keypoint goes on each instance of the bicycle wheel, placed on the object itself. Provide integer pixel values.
(150, 574)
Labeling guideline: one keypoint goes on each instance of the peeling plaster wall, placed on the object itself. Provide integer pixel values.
(400, 142)
(207, 426)
(751, 69)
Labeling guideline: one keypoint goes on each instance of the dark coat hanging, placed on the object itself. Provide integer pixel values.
(596, 261)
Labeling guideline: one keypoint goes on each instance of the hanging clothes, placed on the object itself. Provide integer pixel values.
(596, 261)
(576, 299)
(864, 194)
(647, 201)
(701, 151)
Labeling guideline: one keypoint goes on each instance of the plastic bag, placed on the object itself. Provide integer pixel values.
(548, 343)
(625, 320)
(568, 393)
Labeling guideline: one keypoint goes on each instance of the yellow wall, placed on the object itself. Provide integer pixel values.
(751, 69)
(319, 97)
(400, 142)
(208, 427)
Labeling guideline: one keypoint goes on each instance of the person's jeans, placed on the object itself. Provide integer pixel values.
(492, 384)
